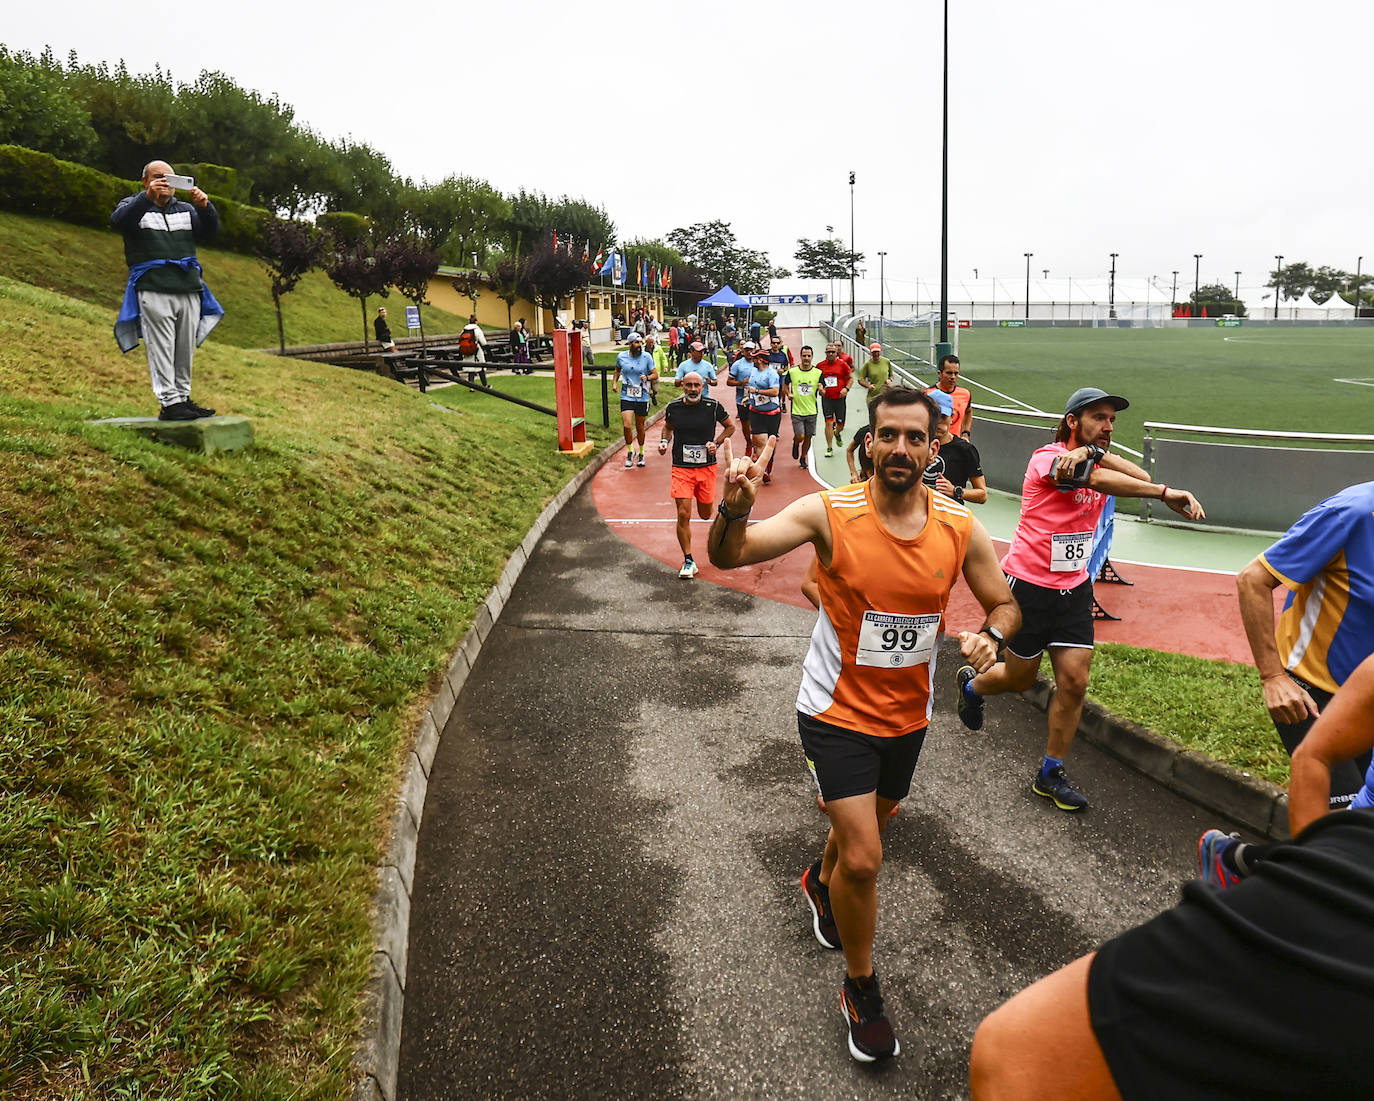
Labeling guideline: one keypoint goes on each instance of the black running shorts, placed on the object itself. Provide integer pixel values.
(765, 424)
(1347, 777)
(833, 409)
(1262, 990)
(1051, 617)
(638, 408)
(845, 762)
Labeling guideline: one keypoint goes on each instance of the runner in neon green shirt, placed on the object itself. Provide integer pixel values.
(804, 384)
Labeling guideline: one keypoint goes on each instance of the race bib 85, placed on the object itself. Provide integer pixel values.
(1069, 551)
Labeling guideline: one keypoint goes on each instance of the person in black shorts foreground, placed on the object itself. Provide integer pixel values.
(1262, 990)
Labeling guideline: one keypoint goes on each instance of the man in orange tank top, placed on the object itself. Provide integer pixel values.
(889, 551)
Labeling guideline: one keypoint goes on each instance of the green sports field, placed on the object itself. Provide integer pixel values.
(1285, 379)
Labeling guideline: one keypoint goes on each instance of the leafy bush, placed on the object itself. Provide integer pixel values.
(346, 229)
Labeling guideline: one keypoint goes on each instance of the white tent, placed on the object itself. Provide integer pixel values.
(1338, 309)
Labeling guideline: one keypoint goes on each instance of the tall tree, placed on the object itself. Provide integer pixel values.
(289, 249)
(413, 262)
(551, 276)
(711, 247)
(361, 270)
(825, 258)
(507, 277)
(38, 112)
(460, 216)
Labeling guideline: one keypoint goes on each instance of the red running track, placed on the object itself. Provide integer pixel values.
(1177, 611)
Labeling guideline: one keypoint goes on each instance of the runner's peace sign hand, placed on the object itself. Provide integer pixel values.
(744, 475)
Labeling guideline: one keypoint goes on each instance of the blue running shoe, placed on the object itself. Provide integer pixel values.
(1210, 867)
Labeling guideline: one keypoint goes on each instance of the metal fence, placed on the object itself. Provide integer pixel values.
(1259, 487)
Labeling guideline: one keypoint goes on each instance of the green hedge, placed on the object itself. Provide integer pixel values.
(216, 179)
(41, 185)
(345, 227)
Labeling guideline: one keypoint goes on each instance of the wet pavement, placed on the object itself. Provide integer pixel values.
(606, 899)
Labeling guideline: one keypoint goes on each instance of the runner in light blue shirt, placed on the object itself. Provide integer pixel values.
(634, 371)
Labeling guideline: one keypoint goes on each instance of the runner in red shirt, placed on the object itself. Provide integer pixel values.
(836, 378)
(1048, 572)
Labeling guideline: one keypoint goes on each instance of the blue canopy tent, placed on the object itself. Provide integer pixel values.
(726, 297)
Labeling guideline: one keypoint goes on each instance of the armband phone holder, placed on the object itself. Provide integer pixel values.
(1080, 474)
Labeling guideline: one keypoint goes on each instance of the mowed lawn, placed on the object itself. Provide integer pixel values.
(1282, 379)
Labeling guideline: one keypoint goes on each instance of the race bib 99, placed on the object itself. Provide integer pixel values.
(894, 641)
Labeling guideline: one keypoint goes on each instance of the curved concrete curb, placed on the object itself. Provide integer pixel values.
(1254, 803)
(377, 1060)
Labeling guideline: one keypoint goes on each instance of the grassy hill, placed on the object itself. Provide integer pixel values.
(210, 668)
(88, 264)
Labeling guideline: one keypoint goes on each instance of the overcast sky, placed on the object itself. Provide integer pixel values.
(1077, 129)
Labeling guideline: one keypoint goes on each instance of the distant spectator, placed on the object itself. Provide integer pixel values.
(383, 330)
(730, 332)
(472, 342)
(754, 330)
(519, 343)
(772, 330)
(961, 423)
(861, 333)
(673, 333)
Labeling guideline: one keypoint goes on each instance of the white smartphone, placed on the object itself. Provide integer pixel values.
(181, 183)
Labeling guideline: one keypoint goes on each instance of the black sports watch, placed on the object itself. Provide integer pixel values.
(959, 494)
(994, 634)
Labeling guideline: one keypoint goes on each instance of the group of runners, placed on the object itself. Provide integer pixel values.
(888, 550)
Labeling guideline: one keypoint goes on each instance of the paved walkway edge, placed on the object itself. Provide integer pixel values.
(1254, 803)
(377, 1060)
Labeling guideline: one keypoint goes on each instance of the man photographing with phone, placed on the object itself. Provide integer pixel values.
(165, 301)
(1065, 489)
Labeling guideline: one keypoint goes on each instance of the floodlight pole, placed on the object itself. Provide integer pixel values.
(1237, 296)
(943, 348)
(1173, 294)
(1028, 256)
(1111, 290)
(1358, 261)
(1278, 283)
(882, 261)
(1197, 267)
(852, 308)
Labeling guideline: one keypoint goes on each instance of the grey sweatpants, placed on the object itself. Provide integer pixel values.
(169, 333)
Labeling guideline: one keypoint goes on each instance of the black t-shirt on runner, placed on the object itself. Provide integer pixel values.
(694, 426)
(958, 461)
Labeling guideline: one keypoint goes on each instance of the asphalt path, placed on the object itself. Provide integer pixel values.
(606, 897)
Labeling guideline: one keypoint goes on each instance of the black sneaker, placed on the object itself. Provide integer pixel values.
(870, 1033)
(970, 710)
(796, 443)
(201, 411)
(1055, 785)
(178, 411)
(818, 898)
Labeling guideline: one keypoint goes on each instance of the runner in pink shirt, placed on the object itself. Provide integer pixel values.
(1064, 492)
